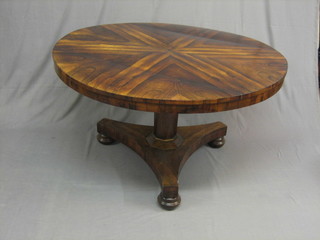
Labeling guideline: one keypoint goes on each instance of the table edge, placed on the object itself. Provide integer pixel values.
(172, 106)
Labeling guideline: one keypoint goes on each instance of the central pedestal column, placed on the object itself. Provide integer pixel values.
(165, 131)
(165, 125)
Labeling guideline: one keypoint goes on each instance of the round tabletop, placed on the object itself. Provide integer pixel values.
(168, 68)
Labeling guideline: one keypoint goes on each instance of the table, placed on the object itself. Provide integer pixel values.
(167, 69)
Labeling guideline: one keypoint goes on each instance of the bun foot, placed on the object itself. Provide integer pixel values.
(169, 203)
(105, 140)
(217, 143)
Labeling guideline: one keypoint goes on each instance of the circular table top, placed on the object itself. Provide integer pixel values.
(168, 68)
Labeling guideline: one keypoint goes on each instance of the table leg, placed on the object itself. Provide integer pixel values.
(165, 139)
(164, 147)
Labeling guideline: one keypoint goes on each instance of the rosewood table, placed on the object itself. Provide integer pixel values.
(167, 69)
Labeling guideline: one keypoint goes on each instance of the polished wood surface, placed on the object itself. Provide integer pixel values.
(168, 68)
(165, 157)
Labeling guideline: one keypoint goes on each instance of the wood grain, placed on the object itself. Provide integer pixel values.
(165, 157)
(168, 68)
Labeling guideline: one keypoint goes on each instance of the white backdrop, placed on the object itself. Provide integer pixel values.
(57, 182)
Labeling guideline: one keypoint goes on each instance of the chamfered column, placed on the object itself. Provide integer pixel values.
(165, 125)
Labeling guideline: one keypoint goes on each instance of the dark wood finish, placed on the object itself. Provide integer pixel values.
(165, 125)
(168, 68)
(165, 161)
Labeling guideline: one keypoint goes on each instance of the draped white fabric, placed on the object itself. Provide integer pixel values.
(58, 182)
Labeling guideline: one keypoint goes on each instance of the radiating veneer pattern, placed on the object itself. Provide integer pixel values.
(168, 68)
